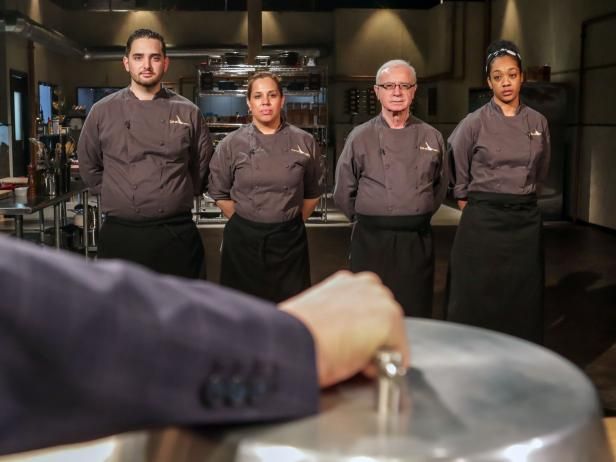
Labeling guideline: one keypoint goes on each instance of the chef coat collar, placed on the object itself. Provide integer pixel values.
(283, 124)
(498, 109)
(384, 123)
(162, 93)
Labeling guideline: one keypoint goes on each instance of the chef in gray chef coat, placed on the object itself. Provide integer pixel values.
(145, 150)
(500, 156)
(265, 177)
(390, 180)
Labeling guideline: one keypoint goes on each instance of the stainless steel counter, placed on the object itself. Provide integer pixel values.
(472, 395)
(18, 208)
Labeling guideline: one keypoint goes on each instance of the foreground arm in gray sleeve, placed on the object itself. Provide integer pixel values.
(347, 180)
(202, 151)
(89, 152)
(460, 152)
(93, 349)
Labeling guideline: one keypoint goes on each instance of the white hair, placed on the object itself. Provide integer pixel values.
(396, 63)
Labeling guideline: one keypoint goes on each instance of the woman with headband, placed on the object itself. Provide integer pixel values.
(265, 177)
(500, 157)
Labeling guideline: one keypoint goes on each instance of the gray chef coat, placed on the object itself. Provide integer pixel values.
(147, 159)
(267, 176)
(391, 172)
(490, 152)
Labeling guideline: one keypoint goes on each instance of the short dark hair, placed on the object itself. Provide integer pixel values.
(502, 48)
(144, 33)
(263, 75)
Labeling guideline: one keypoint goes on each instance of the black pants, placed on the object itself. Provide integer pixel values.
(496, 271)
(400, 250)
(169, 246)
(268, 260)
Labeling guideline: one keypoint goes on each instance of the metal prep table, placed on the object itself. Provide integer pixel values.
(472, 395)
(18, 208)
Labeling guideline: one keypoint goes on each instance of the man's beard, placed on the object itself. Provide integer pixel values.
(147, 83)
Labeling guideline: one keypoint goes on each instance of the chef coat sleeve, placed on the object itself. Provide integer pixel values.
(91, 349)
(460, 151)
(221, 171)
(441, 178)
(347, 177)
(202, 151)
(90, 153)
(312, 176)
(544, 161)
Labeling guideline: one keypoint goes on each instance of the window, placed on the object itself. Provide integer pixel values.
(45, 99)
(87, 96)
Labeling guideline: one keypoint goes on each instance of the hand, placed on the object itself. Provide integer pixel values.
(462, 203)
(350, 317)
(227, 206)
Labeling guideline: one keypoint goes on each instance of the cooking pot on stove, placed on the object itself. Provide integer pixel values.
(286, 58)
(234, 57)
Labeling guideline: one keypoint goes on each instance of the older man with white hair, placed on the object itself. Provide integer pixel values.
(390, 179)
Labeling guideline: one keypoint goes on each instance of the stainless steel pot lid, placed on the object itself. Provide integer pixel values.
(471, 396)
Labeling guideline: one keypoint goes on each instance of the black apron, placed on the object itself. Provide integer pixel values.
(170, 245)
(268, 260)
(400, 250)
(496, 271)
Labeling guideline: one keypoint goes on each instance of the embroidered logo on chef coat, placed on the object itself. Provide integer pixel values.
(299, 151)
(535, 132)
(427, 147)
(178, 121)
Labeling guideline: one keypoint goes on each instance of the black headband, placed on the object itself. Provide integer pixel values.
(501, 52)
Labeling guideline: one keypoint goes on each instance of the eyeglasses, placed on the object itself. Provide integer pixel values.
(390, 86)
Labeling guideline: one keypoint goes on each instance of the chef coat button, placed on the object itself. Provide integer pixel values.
(288, 166)
(134, 186)
(162, 121)
(236, 391)
(213, 391)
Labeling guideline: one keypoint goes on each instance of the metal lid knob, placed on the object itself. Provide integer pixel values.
(389, 384)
